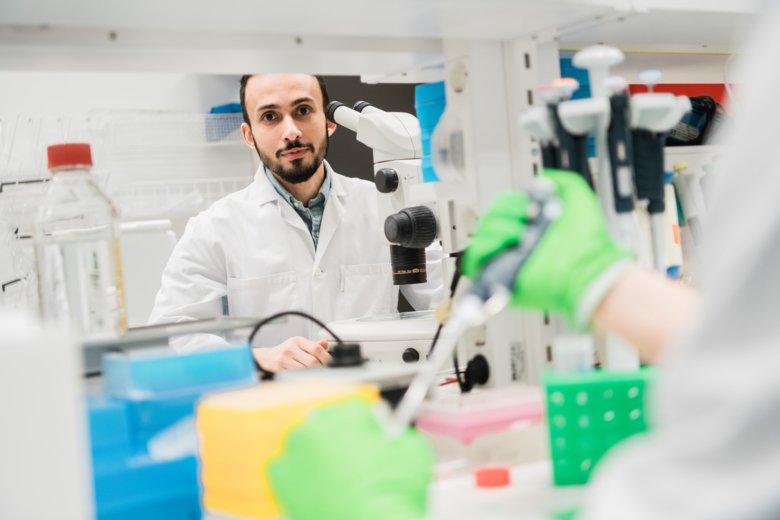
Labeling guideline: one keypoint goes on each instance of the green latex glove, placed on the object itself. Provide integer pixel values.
(574, 264)
(339, 465)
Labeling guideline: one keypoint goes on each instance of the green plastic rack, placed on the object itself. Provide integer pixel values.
(588, 413)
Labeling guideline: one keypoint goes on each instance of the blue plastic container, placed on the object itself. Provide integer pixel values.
(154, 372)
(160, 387)
(148, 416)
(148, 391)
(109, 427)
(128, 484)
(140, 487)
(183, 507)
(429, 103)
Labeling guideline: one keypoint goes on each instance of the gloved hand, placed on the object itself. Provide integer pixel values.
(574, 264)
(339, 465)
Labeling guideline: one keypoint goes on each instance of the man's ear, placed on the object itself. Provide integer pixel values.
(246, 131)
(331, 126)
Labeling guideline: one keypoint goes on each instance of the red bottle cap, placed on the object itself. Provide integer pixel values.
(69, 154)
(492, 477)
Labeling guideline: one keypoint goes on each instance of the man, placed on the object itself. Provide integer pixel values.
(300, 237)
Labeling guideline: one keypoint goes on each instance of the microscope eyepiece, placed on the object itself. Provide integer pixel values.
(331, 109)
(360, 105)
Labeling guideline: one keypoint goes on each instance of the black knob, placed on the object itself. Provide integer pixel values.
(386, 180)
(346, 355)
(411, 227)
(477, 372)
(410, 355)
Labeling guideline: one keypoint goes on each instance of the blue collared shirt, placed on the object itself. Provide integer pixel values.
(311, 215)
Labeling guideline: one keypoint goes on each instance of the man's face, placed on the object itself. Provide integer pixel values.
(288, 125)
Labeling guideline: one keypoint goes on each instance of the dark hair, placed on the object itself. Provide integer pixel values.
(242, 94)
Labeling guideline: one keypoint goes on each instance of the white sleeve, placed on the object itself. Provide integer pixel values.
(193, 285)
(425, 295)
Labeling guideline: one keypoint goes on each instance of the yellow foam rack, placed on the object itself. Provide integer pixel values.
(241, 430)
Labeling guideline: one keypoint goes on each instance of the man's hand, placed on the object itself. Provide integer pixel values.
(296, 352)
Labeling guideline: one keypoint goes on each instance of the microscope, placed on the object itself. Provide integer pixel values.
(409, 225)
(394, 138)
(417, 213)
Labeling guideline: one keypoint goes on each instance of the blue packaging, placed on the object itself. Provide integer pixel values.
(152, 372)
(223, 121)
(429, 103)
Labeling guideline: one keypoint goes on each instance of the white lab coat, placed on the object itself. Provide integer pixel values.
(252, 247)
(715, 453)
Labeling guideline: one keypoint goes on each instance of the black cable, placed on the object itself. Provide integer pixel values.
(434, 341)
(453, 287)
(267, 374)
(458, 374)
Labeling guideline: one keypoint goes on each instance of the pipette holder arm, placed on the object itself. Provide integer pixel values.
(658, 112)
(536, 121)
(582, 116)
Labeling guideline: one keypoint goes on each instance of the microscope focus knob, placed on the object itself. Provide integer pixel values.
(413, 227)
(386, 180)
(410, 355)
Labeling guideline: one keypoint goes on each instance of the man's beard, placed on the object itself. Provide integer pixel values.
(298, 172)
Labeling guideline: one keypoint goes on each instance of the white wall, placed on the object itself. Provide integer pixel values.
(69, 93)
(676, 67)
(679, 68)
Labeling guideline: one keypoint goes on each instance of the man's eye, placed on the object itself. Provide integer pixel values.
(268, 116)
(304, 111)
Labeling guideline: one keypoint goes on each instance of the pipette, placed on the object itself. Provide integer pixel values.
(572, 148)
(489, 294)
(649, 179)
(620, 159)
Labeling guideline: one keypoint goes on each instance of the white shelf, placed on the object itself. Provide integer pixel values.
(334, 37)
(372, 18)
(666, 30)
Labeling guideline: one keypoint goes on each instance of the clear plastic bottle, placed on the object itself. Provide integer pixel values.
(77, 252)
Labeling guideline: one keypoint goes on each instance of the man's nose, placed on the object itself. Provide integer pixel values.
(290, 132)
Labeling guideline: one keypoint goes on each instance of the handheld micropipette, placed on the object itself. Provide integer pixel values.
(489, 294)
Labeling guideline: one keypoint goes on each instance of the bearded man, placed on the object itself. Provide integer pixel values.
(299, 237)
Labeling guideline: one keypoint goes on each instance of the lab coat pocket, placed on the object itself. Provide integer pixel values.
(367, 290)
(261, 297)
